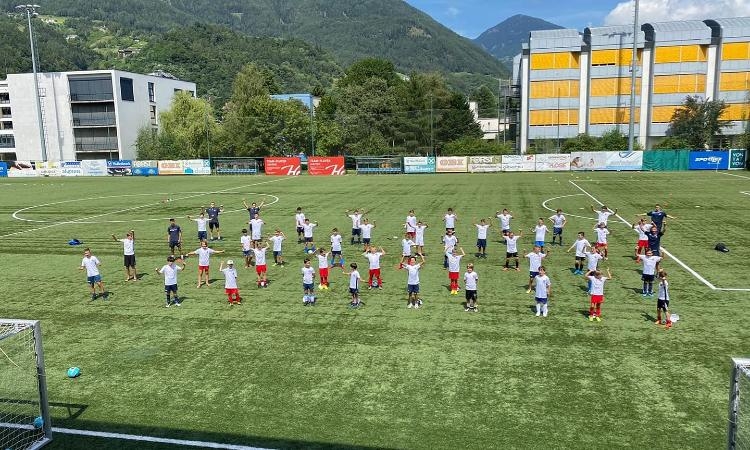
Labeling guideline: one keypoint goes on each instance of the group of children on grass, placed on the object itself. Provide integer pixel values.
(254, 248)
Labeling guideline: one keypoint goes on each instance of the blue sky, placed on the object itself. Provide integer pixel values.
(471, 17)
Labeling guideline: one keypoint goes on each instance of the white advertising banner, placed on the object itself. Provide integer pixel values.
(519, 163)
(196, 167)
(49, 169)
(21, 169)
(452, 164)
(171, 167)
(485, 163)
(624, 160)
(606, 160)
(71, 168)
(552, 162)
(588, 160)
(94, 167)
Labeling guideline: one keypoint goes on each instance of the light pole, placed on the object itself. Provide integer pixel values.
(31, 11)
(633, 69)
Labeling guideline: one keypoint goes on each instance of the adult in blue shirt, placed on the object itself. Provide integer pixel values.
(174, 237)
(254, 210)
(213, 212)
(658, 217)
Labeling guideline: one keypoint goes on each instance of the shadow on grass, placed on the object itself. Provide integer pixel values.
(584, 312)
(648, 317)
(74, 410)
(634, 290)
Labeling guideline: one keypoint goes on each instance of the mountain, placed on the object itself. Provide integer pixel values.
(504, 39)
(349, 30)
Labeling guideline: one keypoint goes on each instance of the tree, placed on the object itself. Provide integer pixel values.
(698, 122)
(671, 143)
(367, 68)
(486, 101)
(188, 123)
(473, 146)
(614, 140)
(581, 143)
(457, 121)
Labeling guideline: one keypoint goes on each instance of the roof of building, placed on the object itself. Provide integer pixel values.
(679, 30)
(730, 27)
(563, 39)
(613, 37)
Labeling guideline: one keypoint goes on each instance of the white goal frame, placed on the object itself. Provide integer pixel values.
(8, 329)
(740, 369)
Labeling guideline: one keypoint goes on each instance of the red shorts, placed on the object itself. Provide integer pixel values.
(324, 272)
(453, 276)
(596, 299)
(411, 234)
(375, 273)
(260, 269)
(643, 244)
(230, 291)
(202, 268)
(601, 244)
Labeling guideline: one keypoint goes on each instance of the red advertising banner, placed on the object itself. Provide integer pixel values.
(325, 165)
(283, 166)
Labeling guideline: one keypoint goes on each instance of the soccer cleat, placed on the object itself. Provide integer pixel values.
(544, 315)
(410, 306)
(598, 319)
(669, 324)
(105, 295)
(644, 295)
(505, 269)
(475, 309)
(320, 286)
(453, 292)
(657, 322)
(538, 314)
(93, 297)
(528, 291)
(591, 318)
(467, 309)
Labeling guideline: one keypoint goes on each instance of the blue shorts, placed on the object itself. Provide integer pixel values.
(541, 300)
(246, 253)
(300, 230)
(539, 243)
(277, 254)
(356, 231)
(213, 224)
(335, 253)
(94, 279)
(647, 278)
(353, 291)
(481, 243)
(533, 274)
(174, 244)
(308, 239)
(366, 241)
(202, 235)
(307, 287)
(655, 251)
(170, 288)
(557, 231)
(412, 288)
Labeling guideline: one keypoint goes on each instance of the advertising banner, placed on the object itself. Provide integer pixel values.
(624, 160)
(196, 167)
(283, 166)
(21, 169)
(48, 168)
(452, 164)
(3, 169)
(94, 167)
(485, 163)
(519, 163)
(325, 165)
(119, 166)
(552, 162)
(709, 160)
(588, 161)
(71, 168)
(145, 168)
(419, 164)
(171, 168)
(737, 159)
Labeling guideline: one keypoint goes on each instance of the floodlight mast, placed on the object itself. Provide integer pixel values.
(633, 73)
(30, 10)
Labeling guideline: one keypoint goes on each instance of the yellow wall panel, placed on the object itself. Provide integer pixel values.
(679, 84)
(735, 81)
(549, 117)
(602, 87)
(662, 114)
(680, 53)
(542, 61)
(613, 57)
(554, 89)
(736, 112)
(735, 50)
(603, 116)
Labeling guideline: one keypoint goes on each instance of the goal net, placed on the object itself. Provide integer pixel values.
(24, 410)
(379, 165)
(235, 166)
(739, 405)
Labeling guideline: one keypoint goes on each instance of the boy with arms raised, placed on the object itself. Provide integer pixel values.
(90, 264)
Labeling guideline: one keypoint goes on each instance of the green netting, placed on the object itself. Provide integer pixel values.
(666, 160)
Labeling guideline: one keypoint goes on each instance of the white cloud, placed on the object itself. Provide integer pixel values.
(668, 10)
(453, 11)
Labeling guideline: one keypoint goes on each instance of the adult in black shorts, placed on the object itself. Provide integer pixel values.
(174, 237)
(213, 212)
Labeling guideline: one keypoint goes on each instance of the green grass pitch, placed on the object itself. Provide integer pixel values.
(273, 373)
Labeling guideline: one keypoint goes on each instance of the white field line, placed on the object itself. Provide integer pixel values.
(81, 220)
(545, 206)
(733, 175)
(136, 437)
(671, 256)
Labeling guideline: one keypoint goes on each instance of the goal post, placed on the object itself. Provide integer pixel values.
(24, 406)
(739, 405)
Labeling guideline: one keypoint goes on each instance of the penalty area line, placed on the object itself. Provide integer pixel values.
(666, 252)
(138, 438)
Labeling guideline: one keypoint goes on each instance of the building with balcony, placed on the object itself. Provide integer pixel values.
(575, 82)
(84, 115)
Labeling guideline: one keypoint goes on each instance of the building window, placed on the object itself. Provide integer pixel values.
(7, 141)
(6, 125)
(152, 110)
(4, 98)
(151, 94)
(5, 112)
(90, 89)
(126, 89)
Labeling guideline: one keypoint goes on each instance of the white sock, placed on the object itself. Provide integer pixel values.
(538, 308)
(544, 309)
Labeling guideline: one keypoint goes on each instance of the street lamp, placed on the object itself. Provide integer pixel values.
(633, 70)
(30, 10)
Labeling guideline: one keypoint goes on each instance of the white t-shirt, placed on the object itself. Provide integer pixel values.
(541, 288)
(230, 277)
(411, 223)
(504, 221)
(128, 246)
(204, 254)
(354, 280)
(356, 220)
(597, 285)
(450, 242)
(374, 259)
(257, 228)
(511, 244)
(91, 265)
(580, 247)
(201, 223)
(454, 262)
(366, 230)
(470, 278)
(336, 242)
(601, 235)
(245, 241)
(170, 274)
(413, 277)
(593, 260)
(308, 229)
(540, 231)
(603, 216)
(322, 261)
(299, 219)
(276, 241)
(406, 245)
(649, 264)
(260, 256)
(450, 221)
(482, 231)
(308, 275)
(419, 234)
(535, 261)
(663, 290)
(557, 220)
(641, 232)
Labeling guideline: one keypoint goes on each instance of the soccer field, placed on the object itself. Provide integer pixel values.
(272, 373)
